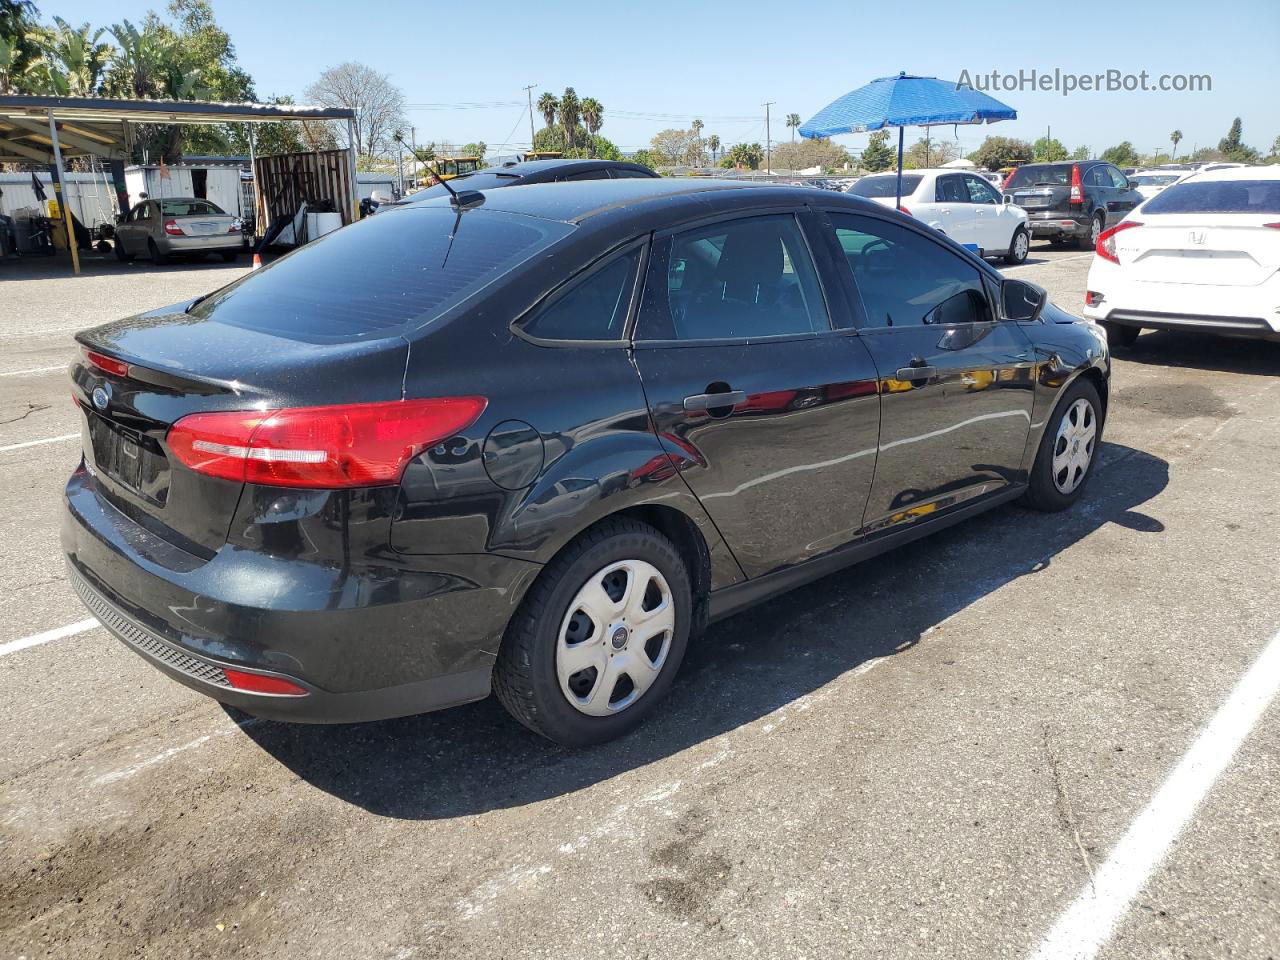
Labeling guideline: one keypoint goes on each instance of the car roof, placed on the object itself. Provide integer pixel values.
(576, 201)
(524, 168)
(1269, 172)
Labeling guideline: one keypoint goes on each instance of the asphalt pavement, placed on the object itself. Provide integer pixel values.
(940, 753)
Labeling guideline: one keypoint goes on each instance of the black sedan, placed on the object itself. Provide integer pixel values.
(526, 172)
(573, 424)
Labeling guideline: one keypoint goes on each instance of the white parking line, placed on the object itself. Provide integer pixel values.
(58, 633)
(36, 443)
(30, 370)
(1088, 923)
(1046, 263)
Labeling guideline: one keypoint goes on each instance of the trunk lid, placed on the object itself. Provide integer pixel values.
(1201, 249)
(206, 226)
(180, 364)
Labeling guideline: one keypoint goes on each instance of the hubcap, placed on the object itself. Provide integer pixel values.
(1020, 246)
(615, 637)
(1096, 231)
(1073, 446)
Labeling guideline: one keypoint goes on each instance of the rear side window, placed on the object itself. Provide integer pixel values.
(951, 190)
(1221, 196)
(187, 208)
(1051, 175)
(740, 279)
(905, 279)
(872, 187)
(624, 173)
(594, 308)
(374, 278)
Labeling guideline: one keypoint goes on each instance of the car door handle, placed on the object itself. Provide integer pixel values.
(712, 401)
(917, 373)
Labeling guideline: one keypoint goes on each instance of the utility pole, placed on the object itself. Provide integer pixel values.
(413, 146)
(529, 94)
(768, 139)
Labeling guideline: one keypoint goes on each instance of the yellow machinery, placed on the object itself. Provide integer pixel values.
(446, 168)
(543, 155)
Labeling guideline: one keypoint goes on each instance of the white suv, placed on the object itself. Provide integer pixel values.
(960, 204)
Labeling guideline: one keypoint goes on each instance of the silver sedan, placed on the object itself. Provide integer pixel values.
(178, 226)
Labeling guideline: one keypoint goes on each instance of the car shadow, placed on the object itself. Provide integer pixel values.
(1177, 348)
(475, 758)
(95, 264)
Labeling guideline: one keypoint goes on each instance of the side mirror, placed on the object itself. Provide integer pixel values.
(1021, 301)
(119, 218)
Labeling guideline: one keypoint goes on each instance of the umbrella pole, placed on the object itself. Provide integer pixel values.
(898, 202)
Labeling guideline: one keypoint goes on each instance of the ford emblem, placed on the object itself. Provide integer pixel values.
(102, 395)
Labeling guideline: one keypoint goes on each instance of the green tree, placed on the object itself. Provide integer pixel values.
(1049, 150)
(18, 48)
(878, 155)
(749, 155)
(549, 107)
(713, 144)
(72, 60)
(1080, 153)
(793, 123)
(997, 152)
(927, 152)
(674, 146)
(1122, 154)
(805, 153)
(1233, 148)
(1274, 156)
(646, 157)
(477, 148)
(1175, 138)
(570, 112)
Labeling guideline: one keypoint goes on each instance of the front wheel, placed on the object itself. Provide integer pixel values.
(599, 637)
(1068, 450)
(1019, 247)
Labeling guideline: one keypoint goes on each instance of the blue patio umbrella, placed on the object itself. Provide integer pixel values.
(905, 101)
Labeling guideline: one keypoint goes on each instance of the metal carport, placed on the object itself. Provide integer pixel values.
(49, 129)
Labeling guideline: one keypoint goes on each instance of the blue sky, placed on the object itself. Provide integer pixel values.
(670, 62)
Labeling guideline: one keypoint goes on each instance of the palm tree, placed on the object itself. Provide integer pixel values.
(73, 61)
(713, 144)
(592, 118)
(1174, 138)
(793, 121)
(570, 111)
(550, 106)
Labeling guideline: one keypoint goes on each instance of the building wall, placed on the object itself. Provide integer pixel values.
(92, 198)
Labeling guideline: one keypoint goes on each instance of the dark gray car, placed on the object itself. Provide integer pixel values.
(1071, 201)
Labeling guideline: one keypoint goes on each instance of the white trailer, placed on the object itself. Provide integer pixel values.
(216, 183)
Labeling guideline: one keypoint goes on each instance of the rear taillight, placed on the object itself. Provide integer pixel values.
(1106, 245)
(1005, 185)
(107, 364)
(1273, 226)
(902, 209)
(348, 445)
(172, 229)
(1077, 188)
(262, 683)
(1092, 298)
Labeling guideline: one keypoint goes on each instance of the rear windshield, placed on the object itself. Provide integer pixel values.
(1222, 196)
(473, 181)
(1049, 175)
(189, 208)
(1153, 179)
(370, 279)
(885, 186)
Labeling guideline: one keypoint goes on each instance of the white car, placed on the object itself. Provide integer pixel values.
(1203, 254)
(1150, 182)
(960, 204)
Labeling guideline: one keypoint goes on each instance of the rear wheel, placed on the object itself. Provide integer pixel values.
(1120, 334)
(1095, 230)
(154, 251)
(1019, 247)
(599, 637)
(1068, 450)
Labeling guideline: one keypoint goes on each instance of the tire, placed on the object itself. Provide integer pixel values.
(156, 256)
(1045, 491)
(1019, 247)
(229, 256)
(121, 254)
(551, 633)
(1096, 226)
(1120, 334)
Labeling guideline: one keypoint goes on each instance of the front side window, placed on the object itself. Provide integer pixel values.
(740, 279)
(980, 191)
(593, 308)
(906, 279)
(1117, 178)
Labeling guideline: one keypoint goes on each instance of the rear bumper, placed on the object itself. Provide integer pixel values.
(365, 643)
(1058, 223)
(218, 243)
(1253, 328)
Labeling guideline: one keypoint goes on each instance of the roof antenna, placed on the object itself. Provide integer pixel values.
(461, 200)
